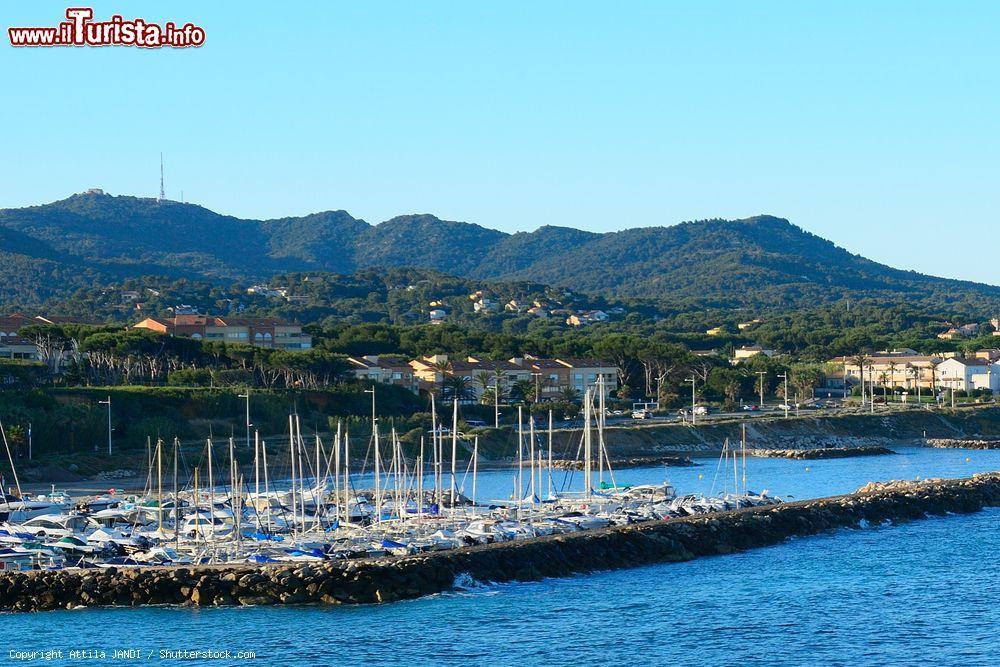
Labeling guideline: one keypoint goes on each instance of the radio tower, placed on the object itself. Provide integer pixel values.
(163, 194)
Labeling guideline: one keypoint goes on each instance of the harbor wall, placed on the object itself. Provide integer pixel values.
(390, 579)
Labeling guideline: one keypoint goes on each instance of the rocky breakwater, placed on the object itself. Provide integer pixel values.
(672, 460)
(389, 579)
(964, 443)
(824, 453)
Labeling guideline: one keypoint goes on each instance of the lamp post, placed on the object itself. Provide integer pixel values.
(496, 403)
(692, 380)
(784, 376)
(537, 377)
(247, 396)
(761, 374)
(108, 403)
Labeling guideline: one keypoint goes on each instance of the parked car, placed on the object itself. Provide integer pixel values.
(641, 414)
(750, 408)
(701, 410)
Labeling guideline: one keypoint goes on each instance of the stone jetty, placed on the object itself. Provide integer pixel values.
(672, 460)
(823, 453)
(388, 579)
(964, 443)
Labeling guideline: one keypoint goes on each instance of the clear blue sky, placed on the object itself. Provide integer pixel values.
(872, 124)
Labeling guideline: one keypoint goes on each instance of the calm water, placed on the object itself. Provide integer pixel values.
(922, 593)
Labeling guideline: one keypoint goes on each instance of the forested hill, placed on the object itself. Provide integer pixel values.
(760, 262)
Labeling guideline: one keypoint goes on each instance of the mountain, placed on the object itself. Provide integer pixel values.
(759, 262)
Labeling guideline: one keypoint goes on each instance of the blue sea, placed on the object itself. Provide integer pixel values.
(924, 593)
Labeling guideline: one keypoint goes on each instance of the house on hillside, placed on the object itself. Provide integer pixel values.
(384, 369)
(960, 373)
(745, 352)
(259, 332)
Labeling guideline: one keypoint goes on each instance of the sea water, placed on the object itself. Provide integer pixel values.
(919, 593)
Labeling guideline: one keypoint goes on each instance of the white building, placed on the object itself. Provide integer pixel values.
(964, 374)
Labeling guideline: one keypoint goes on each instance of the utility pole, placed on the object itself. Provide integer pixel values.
(537, 376)
(694, 399)
(496, 403)
(247, 396)
(108, 403)
(784, 376)
(761, 374)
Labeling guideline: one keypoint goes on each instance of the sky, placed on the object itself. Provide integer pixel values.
(874, 125)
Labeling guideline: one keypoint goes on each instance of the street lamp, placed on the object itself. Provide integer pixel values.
(537, 376)
(107, 403)
(692, 380)
(496, 402)
(784, 376)
(761, 374)
(247, 396)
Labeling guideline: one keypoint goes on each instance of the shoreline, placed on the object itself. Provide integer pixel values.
(397, 578)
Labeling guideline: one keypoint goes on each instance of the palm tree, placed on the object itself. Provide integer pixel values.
(457, 388)
(892, 376)
(914, 373)
(883, 378)
(522, 390)
(861, 361)
(485, 380)
(569, 395)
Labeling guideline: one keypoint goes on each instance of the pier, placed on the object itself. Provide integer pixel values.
(395, 578)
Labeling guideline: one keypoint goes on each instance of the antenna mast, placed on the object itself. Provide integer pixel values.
(163, 195)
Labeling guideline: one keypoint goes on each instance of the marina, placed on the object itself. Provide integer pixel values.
(322, 509)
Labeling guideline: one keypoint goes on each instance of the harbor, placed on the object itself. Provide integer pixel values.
(322, 509)
(381, 580)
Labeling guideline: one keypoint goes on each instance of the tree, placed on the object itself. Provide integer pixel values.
(805, 378)
(457, 388)
(569, 395)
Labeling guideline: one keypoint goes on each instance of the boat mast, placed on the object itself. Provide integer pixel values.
(347, 474)
(520, 456)
(475, 467)
(531, 452)
(600, 429)
(177, 499)
(587, 454)
(336, 472)
(211, 492)
(159, 488)
(291, 453)
(256, 476)
(267, 486)
(744, 447)
(454, 452)
(550, 454)
(420, 480)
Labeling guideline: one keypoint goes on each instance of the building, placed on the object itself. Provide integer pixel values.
(12, 344)
(384, 369)
(966, 374)
(715, 331)
(438, 316)
(432, 371)
(259, 332)
(747, 351)
(743, 326)
(898, 368)
(551, 376)
(583, 374)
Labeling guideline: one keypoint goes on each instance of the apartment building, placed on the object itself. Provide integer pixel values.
(12, 344)
(384, 369)
(260, 332)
